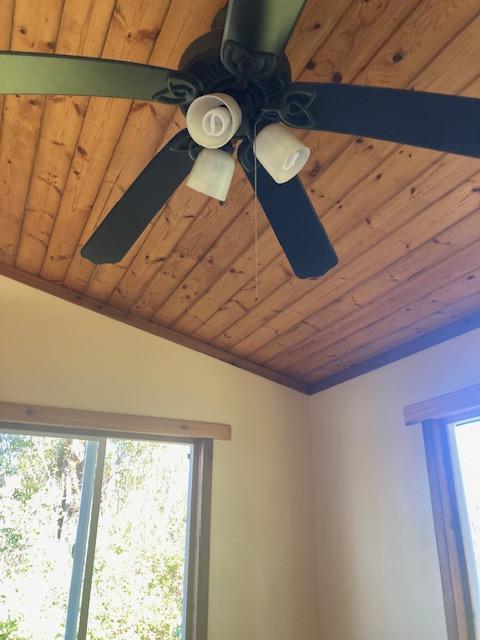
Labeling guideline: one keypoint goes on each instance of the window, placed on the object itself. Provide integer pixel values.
(102, 538)
(464, 440)
(451, 433)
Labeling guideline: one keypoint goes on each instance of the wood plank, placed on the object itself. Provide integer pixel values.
(427, 188)
(7, 8)
(290, 289)
(453, 312)
(83, 30)
(134, 321)
(447, 406)
(370, 253)
(415, 225)
(240, 278)
(160, 245)
(192, 246)
(399, 307)
(74, 419)
(182, 25)
(204, 274)
(34, 28)
(440, 73)
(132, 34)
(107, 278)
(314, 25)
(148, 125)
(172, 271)
(419, 343)
(393, 280)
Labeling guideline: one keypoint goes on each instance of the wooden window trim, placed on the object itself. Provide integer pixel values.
(119, 423)
(459, 614)
(437, 417)
(458, 405)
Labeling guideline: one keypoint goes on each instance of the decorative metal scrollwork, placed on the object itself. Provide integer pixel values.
(180, 88)
(183, 143)
(294, 107)
(246, 64)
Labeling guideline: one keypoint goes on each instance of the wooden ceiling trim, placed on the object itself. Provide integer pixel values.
(393, 309)
(83, 31)
(394, 237)
(429, 76)
(34, 28)
(421, 342)
(353, 307)
(205, 272)
(424, 325)
(104, 279)
(172, 270)
(132, 35)
(163, 332)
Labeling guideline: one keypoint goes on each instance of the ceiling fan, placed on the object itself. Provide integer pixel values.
(234, 85)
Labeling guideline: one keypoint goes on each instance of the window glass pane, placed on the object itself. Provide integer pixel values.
(138, 576)
(467, 438)
(40, 487)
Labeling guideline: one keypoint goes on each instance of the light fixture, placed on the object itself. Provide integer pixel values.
(213, 120)
(280, 152)
(212, 173)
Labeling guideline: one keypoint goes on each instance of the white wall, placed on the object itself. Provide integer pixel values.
(377, 560)
(378, 575)
(263, 580)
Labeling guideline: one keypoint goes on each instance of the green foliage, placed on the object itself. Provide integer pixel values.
(137, 591)
(9, 630)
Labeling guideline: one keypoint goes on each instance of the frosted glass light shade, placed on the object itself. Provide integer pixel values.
(213, 120)
(212, 173)
(280, 152)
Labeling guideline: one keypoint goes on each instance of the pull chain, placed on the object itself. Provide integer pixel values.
(255, 203)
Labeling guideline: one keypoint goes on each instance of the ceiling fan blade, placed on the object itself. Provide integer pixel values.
(141, 202)
(256, 33)
(294, 222)
(44, 73)
(445, 123)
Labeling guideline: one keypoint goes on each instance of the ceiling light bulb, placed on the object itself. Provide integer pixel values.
(213, 120)
(291, 161)
(280, 152)
(212, 173)
(216, 121)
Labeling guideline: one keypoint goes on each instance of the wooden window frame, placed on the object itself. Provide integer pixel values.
(55, 421)
(437, 417)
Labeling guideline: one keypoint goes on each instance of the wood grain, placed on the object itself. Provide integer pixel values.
(447, 406)
(405, 221)
(72, 419)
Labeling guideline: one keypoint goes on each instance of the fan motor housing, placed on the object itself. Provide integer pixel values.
(202, 60)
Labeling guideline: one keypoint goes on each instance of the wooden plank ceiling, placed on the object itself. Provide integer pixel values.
(405, 221)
